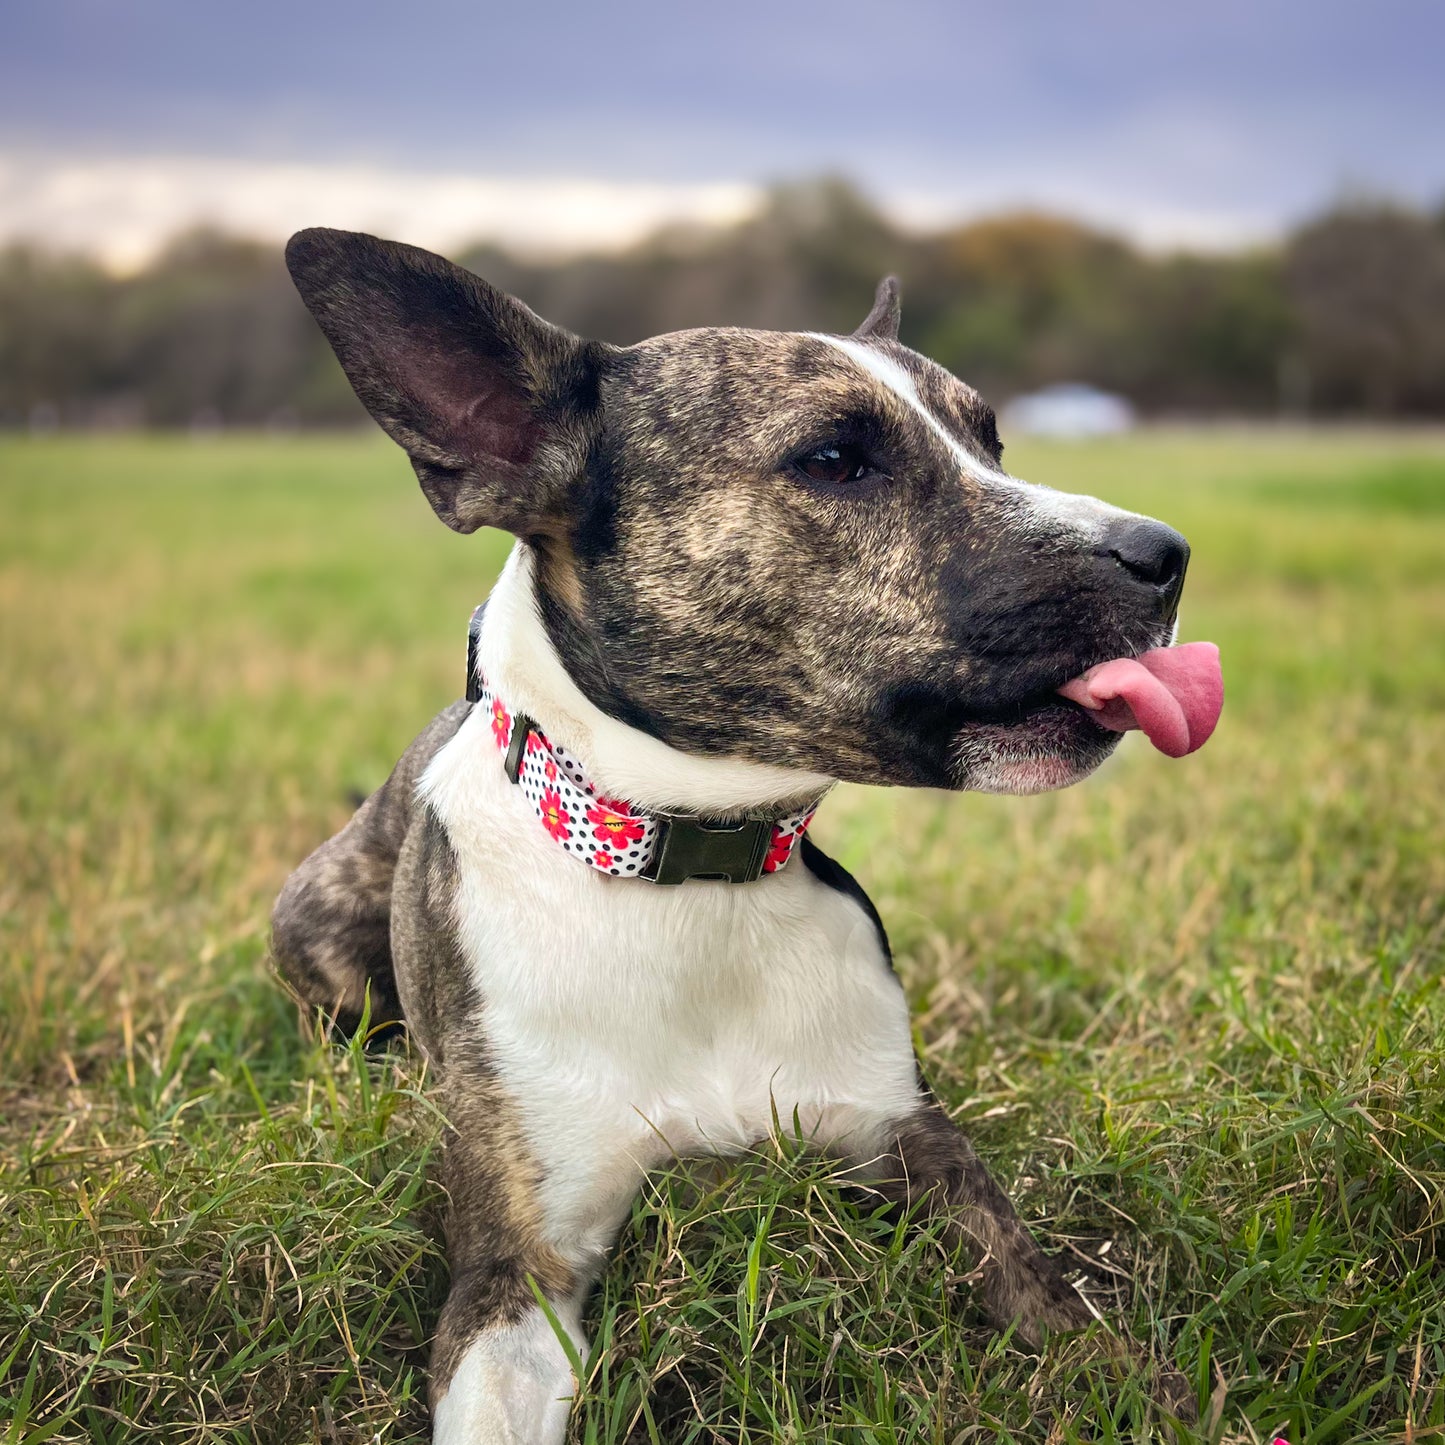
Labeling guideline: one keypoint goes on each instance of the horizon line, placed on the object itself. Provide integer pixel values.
(123, 211)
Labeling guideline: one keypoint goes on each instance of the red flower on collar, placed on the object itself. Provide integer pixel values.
(501, 724)
(613, 824)
(779, 851)
(602, 859)
(555, 818)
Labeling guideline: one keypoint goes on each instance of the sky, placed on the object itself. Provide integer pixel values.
(572, 124)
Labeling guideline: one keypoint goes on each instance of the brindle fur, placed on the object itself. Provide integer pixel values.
(933, 1166)
(695, 588)
(731, 611)
(331, 927)
(883, 320)
(493, 1238)
(372, 907)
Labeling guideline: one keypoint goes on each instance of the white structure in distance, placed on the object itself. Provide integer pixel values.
(1068, 409)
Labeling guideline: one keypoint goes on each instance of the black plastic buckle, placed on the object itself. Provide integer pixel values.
(522, 727)
(700, 848)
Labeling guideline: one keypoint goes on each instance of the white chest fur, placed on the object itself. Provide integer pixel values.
(630, 1021)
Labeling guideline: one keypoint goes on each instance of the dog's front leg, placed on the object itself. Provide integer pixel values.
(927, 1160)
(512, 1384)
(499, 1374)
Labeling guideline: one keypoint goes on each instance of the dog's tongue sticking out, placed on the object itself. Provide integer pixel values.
(1173, 693)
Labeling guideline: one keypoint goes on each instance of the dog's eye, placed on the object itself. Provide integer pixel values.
(836, 462)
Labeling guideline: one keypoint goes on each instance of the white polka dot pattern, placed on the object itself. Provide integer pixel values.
(605, 833)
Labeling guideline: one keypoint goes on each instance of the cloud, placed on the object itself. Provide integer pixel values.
(1204, 125)
(124, 209)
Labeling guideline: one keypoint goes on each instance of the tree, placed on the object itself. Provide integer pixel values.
(1368, 286)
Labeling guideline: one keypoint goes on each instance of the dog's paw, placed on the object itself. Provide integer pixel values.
(1174, 1394)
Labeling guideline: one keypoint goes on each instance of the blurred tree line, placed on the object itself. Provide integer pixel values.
(1345, 317)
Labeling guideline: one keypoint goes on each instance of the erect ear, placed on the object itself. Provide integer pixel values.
(492, 403)
(882, 320)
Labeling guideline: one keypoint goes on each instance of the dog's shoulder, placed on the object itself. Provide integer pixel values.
(331, 924)
(393, 803)
(834, 875)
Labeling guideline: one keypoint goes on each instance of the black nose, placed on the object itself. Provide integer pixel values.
(1153, 553)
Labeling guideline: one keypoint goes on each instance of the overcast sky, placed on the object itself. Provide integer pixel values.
(1204, 124)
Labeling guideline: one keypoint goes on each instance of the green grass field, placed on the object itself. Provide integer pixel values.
(1190, 1011)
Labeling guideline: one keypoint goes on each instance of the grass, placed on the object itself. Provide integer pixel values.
(1191, 1012)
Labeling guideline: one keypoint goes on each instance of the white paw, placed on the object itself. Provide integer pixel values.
(514, 1386)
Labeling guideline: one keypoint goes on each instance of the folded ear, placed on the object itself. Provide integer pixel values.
(492, 403)
(882, 321)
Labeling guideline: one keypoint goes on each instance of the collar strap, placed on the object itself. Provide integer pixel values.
(615, 837)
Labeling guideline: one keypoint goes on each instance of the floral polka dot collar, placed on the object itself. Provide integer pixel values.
(613, 836)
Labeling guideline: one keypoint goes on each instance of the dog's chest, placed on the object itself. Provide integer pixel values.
(630, 1021)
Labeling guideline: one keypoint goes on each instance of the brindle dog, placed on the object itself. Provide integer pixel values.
(747, 564)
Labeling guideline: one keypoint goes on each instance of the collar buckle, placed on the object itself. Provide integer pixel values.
(689, 847)
(685, 846)
(522, 729)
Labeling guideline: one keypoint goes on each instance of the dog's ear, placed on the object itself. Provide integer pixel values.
(491, 402)
(882, 321)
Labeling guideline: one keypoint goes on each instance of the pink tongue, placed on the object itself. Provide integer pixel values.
(1173, 693)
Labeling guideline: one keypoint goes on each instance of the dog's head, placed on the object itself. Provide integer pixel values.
(792, 548)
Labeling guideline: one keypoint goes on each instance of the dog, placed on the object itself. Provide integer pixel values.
(747, 565)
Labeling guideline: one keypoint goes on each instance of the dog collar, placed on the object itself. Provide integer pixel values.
(612, 836)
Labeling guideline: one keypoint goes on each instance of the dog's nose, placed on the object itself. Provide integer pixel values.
(1153, 553)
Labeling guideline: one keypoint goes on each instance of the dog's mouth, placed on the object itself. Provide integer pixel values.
(1173, 695)
(1050, 733)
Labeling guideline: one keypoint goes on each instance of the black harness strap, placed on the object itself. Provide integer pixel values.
(474, 641)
